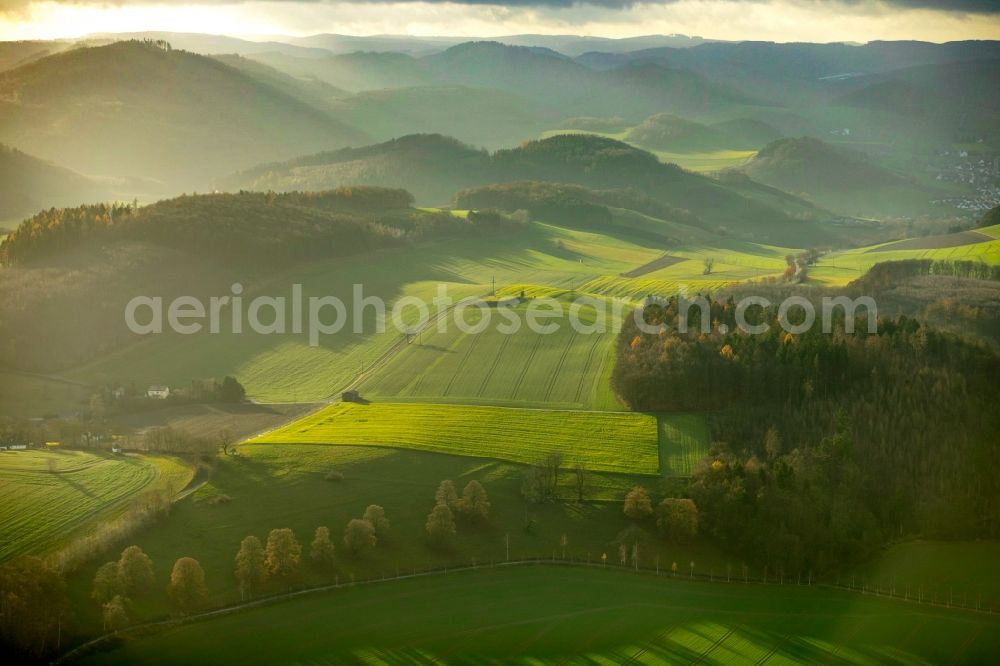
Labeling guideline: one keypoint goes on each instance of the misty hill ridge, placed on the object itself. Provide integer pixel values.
(807, 163)
(665, 131)
(134, 108)
(434, 167)
(28, 184)
(836, 178)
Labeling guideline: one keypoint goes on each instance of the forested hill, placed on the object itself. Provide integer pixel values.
(83, 265)
(262, 230)
(141, 109)
(434, 167)
(28, 184)
(839, 179)
(812, 470)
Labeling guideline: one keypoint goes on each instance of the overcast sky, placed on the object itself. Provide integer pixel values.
(777, 20)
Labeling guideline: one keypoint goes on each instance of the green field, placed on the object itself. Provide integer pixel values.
(841, 267)
(600, 441)
(47, 496)
(684, 440)
(562, 369)
(958, 573)
(528, 615)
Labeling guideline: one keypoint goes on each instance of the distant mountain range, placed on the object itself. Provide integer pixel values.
(163, 120)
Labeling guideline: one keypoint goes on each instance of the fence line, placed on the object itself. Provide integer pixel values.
(727, 579)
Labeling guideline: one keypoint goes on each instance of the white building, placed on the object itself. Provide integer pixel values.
(157, 391)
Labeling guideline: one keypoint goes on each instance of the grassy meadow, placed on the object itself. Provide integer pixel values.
(958, 573)
(48, 497)
(550, 614)
(600, 441)
(270, 486)
(838, 268)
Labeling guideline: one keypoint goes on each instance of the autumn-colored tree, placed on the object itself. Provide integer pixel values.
(322, 550)
(136, 572)
(115, 613)
(772, 443)
(440, 524)
(251, 566)
(187, 589)
(638, 506)
(677, 519)
(107, 583)
(375, 515)
(447, 495)
(359, 536)
(283, 552)
(475, 503)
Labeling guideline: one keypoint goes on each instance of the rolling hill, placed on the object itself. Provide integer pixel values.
(431, 166)
(434, 167)
(836, 178)
(960, 98)
(137, 109)
(672, 133)
(85, 264)
(28, 184)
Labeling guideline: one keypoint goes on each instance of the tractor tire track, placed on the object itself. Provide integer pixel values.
(524, 370)
(493, 366)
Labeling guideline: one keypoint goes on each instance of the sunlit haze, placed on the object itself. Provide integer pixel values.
(775, 21)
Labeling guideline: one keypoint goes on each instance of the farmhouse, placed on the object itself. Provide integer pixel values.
(158, 391)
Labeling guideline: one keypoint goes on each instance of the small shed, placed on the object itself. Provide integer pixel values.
(350, 396)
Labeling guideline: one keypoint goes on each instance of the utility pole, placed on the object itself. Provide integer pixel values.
(494, 285)
(506, 540)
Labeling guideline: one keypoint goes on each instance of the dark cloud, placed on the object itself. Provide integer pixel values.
(961, 6)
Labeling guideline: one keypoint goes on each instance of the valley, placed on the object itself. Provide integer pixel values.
(474, 350)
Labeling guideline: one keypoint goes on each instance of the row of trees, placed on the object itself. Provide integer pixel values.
(281, 557)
